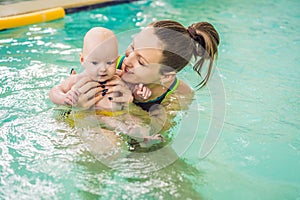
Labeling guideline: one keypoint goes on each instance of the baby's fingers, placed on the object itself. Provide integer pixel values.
(147, 93)
(141, 86)
(136, 89)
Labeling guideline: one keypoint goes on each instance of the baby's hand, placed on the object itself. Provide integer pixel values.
(71, 97)
(141, 92)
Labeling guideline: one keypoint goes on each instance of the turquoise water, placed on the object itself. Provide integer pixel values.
(257, 155)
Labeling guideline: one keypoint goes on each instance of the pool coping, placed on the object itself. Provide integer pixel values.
(38, 11)
(70, 6)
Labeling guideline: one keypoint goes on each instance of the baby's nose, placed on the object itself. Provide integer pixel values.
(102, 66)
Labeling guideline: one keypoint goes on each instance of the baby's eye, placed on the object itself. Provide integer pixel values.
(94, 62)
(110, 62)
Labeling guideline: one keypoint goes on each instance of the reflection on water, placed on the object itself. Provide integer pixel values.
(133, 181)
(141, 175)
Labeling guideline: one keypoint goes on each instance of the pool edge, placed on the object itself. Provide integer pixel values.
(30, 12)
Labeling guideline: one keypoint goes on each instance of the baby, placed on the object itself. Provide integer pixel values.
(100, 61)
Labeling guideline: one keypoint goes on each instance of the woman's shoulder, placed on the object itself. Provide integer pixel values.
(184, 89)
(180, 99)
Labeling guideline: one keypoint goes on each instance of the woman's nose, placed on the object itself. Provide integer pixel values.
(129, 59)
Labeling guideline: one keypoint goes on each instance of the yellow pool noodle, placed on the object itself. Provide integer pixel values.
(31, 18)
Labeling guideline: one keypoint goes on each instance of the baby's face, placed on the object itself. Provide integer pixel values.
(100, 64)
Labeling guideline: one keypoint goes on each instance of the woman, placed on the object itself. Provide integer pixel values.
(156, 54)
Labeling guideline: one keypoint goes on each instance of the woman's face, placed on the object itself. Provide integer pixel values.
(143, 56)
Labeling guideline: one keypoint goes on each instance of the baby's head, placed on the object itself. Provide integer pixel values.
(99, 54)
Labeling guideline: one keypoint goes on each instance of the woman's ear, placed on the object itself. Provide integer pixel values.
(167, 77)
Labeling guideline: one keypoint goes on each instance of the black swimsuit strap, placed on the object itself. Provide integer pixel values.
(147, 104)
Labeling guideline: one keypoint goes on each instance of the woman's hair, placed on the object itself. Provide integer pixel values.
(200, 40)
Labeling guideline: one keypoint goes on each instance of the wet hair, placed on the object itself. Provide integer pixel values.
(180, 44)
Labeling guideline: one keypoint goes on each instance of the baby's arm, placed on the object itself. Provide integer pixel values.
(141, 92)
(63, 94)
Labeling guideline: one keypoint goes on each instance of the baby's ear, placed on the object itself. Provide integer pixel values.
(73, 71)
(81, 58)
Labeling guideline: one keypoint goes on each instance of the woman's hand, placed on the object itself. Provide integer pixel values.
(117, 85)
(90, 92)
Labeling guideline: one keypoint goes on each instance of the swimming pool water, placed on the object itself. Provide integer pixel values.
(257, 155)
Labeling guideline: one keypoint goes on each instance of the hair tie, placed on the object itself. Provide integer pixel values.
(197, 37)
(192, 32)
